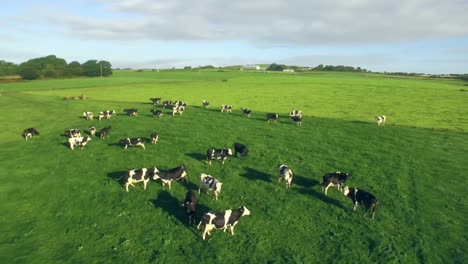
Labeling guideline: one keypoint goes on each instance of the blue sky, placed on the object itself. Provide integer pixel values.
(424, 36)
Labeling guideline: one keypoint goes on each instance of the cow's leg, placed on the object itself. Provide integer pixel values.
(326, 189)
(232, 228)
(125, 147)
(199, 188)
(169, 183)
(141, 145)
(279, 179)
(144, 184)
(126, 186)
(216, 195)
(355, 205)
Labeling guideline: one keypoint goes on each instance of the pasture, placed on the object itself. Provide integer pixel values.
(63, 206)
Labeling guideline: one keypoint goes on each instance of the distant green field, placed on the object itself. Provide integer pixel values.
(63, 206)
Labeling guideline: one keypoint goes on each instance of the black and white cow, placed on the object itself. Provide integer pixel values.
(106, 114)
(297, 120)
(157, 113)
(242, 149)
(73, 133)
(155, 100)
(29, 133)
(139, 175)
(380, 120)
(334, 179)
(246, 112)
(166, 103)
(178, 110)
(365, 198)
(131, 112)
(92, 131)
(215, 154)
(78, 142)
(222, 220)
(209, 183)
(104, 133)
(178, 103)
(190, 204)
(284, 172)
(132, 142)
(205, 104)
(88, 115)
(154, 138)
(272, 117)
(173, 174)
(227, 108)
(295, 113)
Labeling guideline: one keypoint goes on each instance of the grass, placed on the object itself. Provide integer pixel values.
(65, 206)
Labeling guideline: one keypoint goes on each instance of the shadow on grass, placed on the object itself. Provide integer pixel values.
(197, 156)
(304, 182)
(321, 196)
(117, 176)
(255, 175)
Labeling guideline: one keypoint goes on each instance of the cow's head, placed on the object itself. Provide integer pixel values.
(229, 152)
(346, 190)
(245, 211)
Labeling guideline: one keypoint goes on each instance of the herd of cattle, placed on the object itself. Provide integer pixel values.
(211, 220)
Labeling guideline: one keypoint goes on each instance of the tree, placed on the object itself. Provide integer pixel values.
(91, 68)
(106, 68)
(73, 69)
(276, 67)
(29, 72)
(8, 68)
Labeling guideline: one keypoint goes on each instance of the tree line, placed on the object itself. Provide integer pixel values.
(320, 67)
(53, 67)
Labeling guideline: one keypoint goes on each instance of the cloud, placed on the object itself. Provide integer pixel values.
(273, 22)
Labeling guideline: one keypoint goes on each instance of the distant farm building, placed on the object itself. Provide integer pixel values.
(288, 70)
(251, 67)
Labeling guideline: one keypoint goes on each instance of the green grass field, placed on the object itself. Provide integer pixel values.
(63, 206)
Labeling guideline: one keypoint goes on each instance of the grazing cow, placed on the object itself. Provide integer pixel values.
(205, 104)
(88, 115)
(210, 184)
(178, 103)
(166, 103)
(297, 120)
(240, 148)
(155, 100)
(139, 175)
(104, 133)
(178, 110)
(334, 179)
(173, 174)
(30, 132)
(78, 141)
(74, 132)
(157, 113)
(359, 196)
(131, 112)
(92, 131)
(295, 113)
(285, 173)
(246, 112)
(272, 117)
(154, 138)
(222, 154)
(380, 120)
(222, 220)
(132, 142)
(190, 204)
(106, 114)
(227, 108)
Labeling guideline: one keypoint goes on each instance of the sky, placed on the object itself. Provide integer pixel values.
(423, 36)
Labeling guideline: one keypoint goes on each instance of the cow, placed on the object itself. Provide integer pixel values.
(334, 179)
(92, 131)
(205, 104)
(154, 138)
(166, 103)
(297, 113)
(173, 174)
(222, 154)
(29, 133)
(88, 115)
(78, 141)
(297, 120)
(157, 113)
(227, 108)
(104, 133)
(365, 198)
(284, 172)
(132, 142)
(73, 133)
(131, 112)
(106, 114)
(190, 204)
(222, 220)
(246, 112)
(381, 120)
(209, 183)
(178, 110)
(272, 117)
(139, 175)
(155, 100)
(178, 103)
(240, 148)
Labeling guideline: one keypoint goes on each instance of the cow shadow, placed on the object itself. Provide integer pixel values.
(117, 176)
(256, 175)
(197, 156)
(304, 182)
(322, 197)
(115, 144)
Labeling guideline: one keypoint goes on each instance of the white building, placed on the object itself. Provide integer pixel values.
(251, 67)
